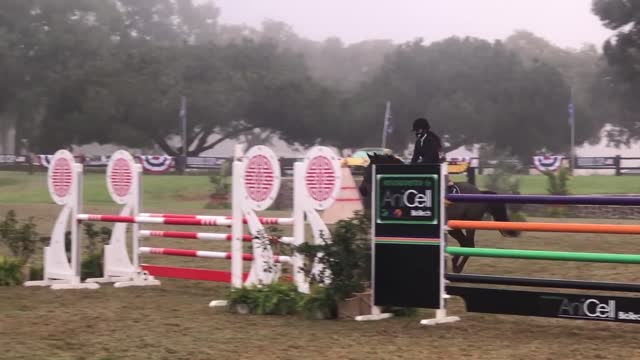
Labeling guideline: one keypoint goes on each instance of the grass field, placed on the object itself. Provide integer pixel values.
(191, 192)
(578, 185)
(173, 321)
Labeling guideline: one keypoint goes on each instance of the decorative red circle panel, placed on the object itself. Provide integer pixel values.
(61, 177)
(121, 177)
(259, 178)
(320, 178)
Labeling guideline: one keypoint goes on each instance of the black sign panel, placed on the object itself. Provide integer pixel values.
(406, 235)
(553, 305)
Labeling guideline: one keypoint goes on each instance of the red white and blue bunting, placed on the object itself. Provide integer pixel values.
(156, 163)
(547, 162)
(44, 160)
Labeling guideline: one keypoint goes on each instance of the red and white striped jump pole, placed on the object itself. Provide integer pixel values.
(205, 254)
(194, 220)
(189, 235)
(210, 221)
(199, 236)
(263, 220)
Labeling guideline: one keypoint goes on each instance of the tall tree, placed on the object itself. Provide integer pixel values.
(580, 68)
(231, 89)
(358, 61)
(49, 44)
(622, 79)
(474, 92)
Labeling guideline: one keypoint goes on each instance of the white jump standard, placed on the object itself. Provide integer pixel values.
(256, 182)
(64, 179)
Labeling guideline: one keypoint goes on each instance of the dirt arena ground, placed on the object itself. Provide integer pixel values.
(173, 321)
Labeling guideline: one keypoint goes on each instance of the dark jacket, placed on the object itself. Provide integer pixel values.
(427, 149)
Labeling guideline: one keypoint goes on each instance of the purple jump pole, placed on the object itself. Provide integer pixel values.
(547, 199)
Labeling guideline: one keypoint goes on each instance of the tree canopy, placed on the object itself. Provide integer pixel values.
(114, 71)
(473, 91)
(621, 80)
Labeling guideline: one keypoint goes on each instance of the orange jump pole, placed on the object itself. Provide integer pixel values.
(545, 227)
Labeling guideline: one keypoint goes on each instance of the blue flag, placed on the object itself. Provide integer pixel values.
(571, 116)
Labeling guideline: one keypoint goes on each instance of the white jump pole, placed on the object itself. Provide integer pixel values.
(201, 236)
(263, 220)
(204, 254)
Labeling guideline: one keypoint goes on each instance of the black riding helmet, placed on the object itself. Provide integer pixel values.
(421, 123)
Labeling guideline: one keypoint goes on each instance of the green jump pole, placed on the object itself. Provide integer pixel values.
(545, 255)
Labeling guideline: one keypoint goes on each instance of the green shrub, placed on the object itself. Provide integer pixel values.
(10, 271)
(22, 240)
(95, 239)
(36, 272)
(283, 298)
(220, 188)
(320, 303)
(278, 298)
(347, 263)
(558, 184)
(504, 178)
(92, 266)
(347, 257)
(347, 260)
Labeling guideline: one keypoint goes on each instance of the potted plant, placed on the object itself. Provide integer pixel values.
(278, 298)
(339, 289)
(240, 300)
(347, 263)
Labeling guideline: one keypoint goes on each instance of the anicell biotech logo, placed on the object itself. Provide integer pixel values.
(588, 309)
(408, 198)
(594, 309)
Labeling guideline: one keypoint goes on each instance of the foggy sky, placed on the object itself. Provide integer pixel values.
(567, 23)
